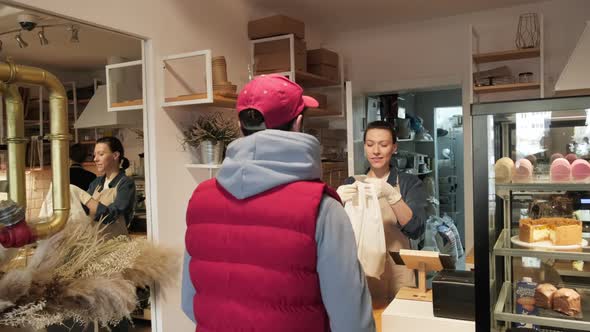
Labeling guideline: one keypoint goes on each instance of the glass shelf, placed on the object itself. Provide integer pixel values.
(541, 184)
(503, 312)
(504, 247)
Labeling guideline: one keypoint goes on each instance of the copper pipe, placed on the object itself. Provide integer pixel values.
(59, 137)
(16, 144)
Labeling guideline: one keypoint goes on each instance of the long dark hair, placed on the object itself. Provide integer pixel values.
(115, 146)
(381, 125)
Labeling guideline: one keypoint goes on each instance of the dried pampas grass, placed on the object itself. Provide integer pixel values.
(79, 275)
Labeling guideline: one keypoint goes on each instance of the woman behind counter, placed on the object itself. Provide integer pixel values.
(110, 198)
(402, 199)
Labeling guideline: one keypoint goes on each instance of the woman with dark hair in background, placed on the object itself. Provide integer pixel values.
(110, 198)
(402, 199)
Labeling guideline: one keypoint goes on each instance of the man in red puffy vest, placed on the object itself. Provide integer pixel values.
(269, 246)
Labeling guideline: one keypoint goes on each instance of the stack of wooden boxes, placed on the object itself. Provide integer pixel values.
(275, 56)
(323, 62)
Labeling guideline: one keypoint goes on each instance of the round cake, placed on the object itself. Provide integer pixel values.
(504, 170)
(571, 157)
(556, 156)
(560, 170)
(580, 170)
(523, 170)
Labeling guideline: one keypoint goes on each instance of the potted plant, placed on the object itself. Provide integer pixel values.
(209, 135)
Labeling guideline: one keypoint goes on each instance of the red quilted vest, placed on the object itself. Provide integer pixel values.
(253, 261)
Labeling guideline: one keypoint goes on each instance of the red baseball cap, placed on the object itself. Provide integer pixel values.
(279, 99)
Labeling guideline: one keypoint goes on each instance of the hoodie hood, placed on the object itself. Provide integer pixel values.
(268, 159)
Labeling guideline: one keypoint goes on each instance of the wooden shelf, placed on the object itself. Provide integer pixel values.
(87, 142)
(507, 55)
(320, 112)
(306, 79)
(80, 101)
(223, 101)
(506, 87)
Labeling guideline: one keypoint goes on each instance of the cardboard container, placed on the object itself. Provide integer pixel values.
(326, 71)
(279, 46)
(275, 26)
(278, 62)
(322, 56)
(320, 97)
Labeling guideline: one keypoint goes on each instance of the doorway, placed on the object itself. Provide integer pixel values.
(102, 72)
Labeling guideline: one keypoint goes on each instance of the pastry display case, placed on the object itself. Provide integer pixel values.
(532, 214)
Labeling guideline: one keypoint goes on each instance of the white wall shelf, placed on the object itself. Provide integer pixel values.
(182, 85)
(121, 79)
(203, 166)
(309, 81)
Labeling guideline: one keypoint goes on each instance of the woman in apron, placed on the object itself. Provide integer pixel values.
(402, 200)
(110, 199)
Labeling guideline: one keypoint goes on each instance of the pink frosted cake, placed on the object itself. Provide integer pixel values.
(555, 156)
(580, 170)
(523, 171)
(560, 170)
(504, 170)
(571, 157)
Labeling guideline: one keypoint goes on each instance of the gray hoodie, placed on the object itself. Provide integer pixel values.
(270, 158)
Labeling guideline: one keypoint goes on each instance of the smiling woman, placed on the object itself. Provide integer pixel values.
(402, 200)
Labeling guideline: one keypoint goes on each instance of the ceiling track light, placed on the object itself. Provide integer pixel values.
(42, 39)
(20, 41)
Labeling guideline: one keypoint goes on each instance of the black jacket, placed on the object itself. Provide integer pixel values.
(80, 177)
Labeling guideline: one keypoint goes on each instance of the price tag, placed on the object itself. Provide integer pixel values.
(531, 262)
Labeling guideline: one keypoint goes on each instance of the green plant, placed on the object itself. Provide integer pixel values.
(210, 127)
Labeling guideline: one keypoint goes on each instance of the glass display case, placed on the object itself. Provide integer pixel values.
(532, 214)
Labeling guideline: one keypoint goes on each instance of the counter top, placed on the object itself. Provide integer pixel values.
(406, 315)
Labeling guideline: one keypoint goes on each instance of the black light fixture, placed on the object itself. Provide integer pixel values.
(20, 41)
(42, 39)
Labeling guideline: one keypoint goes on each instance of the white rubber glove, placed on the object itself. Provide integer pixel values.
(82, 195)
(385, 190)
(347, 192)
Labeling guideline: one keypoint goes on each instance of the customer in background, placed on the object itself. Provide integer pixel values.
(110, 198)
(79, 177)
(269, 246)
(402, 199)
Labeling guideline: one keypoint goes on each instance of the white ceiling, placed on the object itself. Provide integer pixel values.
(343, 15)
(91, 53)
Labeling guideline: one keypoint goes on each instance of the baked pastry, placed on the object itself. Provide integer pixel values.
(504, 170)
(560, 170)
(560, 231)
(571, 157)
(544, 295)
(523, 170)
(567, 301)
(580, 169)
(556, 156)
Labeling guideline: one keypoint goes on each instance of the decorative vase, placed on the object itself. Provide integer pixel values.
(527, 35)
(211, 152)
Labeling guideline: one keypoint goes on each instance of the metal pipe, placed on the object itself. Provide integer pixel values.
(16, 144)
(59, 137)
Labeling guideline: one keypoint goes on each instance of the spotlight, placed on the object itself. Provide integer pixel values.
(42, 39)
(20, 41)
(74, 38)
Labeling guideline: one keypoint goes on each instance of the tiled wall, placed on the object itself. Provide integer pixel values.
(37, 183)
